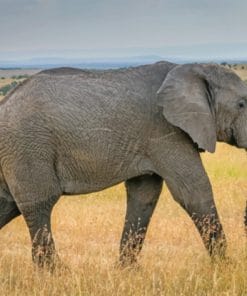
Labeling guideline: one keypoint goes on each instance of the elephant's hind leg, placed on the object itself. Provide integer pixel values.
(36, 190)
(38, 218)
(142, 195)
(8, 211)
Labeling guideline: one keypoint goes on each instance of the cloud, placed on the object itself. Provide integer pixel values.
(80, 24)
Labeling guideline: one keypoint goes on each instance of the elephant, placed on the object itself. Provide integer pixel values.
(67, 131)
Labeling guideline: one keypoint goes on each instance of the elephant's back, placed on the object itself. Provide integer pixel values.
(73, 100)
(71, 89)
(67, 86)
(76, 106)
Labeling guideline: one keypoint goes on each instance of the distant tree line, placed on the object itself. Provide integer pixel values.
(17, 77)
(234, 66)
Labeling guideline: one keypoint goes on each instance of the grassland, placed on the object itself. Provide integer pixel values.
(241, 70)
(5, 81)
(87, 230)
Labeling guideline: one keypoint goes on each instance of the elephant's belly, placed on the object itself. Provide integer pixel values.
(71, 187)
(79, 176)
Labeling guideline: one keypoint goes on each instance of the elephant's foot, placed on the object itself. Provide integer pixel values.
(218, 250)
(130, 249)
(128, 259)
(43, 250)
(212, 235)
(245, 219)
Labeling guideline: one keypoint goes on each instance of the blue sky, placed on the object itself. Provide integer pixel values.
(30, 28)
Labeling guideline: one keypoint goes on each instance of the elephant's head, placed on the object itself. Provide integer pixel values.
(208, 102)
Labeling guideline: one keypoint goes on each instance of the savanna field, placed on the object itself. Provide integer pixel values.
(87, 230)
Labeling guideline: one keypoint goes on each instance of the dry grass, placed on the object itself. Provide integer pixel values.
(240, 70)
(5, 81)
(87, 230)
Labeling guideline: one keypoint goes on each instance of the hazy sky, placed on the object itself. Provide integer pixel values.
(43, 25)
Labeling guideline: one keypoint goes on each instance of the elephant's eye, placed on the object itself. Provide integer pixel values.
(241, 104)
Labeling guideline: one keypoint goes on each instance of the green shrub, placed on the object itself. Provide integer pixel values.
(17, 77)
(6, 88)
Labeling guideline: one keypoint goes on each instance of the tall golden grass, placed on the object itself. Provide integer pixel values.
(173, 261)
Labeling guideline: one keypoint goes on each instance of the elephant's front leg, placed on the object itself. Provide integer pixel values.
(142, 195)
(188, 182)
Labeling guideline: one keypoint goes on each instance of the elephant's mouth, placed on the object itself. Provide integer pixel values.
(236, 141)
(233, 140)
(238, 144)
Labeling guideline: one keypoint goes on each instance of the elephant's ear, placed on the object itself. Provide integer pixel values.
(186, 96)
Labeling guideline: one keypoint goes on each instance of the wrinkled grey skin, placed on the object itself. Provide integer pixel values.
(67, 131)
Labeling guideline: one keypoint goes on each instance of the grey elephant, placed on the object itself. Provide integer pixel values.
(69, 131)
